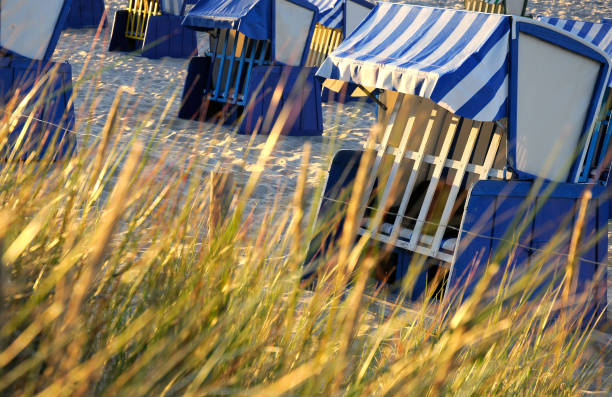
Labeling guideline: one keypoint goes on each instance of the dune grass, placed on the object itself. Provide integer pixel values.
(121, 275)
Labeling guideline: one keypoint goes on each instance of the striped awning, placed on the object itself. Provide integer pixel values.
(330, 12)
(458, 59)
(598, 34)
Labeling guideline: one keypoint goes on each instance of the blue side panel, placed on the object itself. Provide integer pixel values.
(342, 173)
(549, 213)
(473, 249)
(48, 134)
(166, 37)
(306, 114)
(118, 41)
(193, 92)
(86, 14)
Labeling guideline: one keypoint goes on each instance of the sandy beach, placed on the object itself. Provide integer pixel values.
(159, 83)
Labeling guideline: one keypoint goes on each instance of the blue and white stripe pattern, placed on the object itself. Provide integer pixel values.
(598, 34)
(330, 12)
(456, 58)
(172, 7)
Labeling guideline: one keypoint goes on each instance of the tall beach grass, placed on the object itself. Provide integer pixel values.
(124, 274)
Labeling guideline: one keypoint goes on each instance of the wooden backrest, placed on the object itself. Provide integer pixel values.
(324, 41)
(424, 145)
(511, 7)
(233, 57)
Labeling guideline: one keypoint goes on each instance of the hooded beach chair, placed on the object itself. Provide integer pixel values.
(510, 7)
(478, 107)
(599, 34)
(153, 28)
(29, 32)
(86, 14)
(256, 65)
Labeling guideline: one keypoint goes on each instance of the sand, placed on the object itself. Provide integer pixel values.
(160, 82)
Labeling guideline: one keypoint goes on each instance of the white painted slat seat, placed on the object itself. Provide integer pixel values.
(426, 161)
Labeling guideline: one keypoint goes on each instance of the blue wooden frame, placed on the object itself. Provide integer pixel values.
(57, 31)
(315, 18)
(248, 59)
(94, 10)
(364, 3)
(181, 12)
(564, 40)
(494, 199)
(595, 154)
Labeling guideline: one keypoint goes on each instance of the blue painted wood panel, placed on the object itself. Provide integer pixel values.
(49, 133)
(86, 14)
(549, 211)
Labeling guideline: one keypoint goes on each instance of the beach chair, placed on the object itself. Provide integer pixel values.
(153, 28)
(510, 7)
(471, 123)
(86, 14)
(29, 32)
(258, 52)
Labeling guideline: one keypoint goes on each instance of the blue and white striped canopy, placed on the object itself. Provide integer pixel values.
(598, 34)
(330, 12)
(458, 59)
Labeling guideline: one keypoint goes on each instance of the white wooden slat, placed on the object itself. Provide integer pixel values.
(379, 157)
(435, 114)
(439, 165)
(397, 161)
(457, 180)
(455, 164)
(493, 148)
(446, 258)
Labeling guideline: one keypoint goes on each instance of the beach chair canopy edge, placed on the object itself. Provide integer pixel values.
(530, 130)
(598, 34)
(37, 37)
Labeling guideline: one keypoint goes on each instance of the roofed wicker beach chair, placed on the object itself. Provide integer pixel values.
(29, 33)
(473, 122)
(256, 65)
(153, 28)
(86, 14)
(510, 7)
